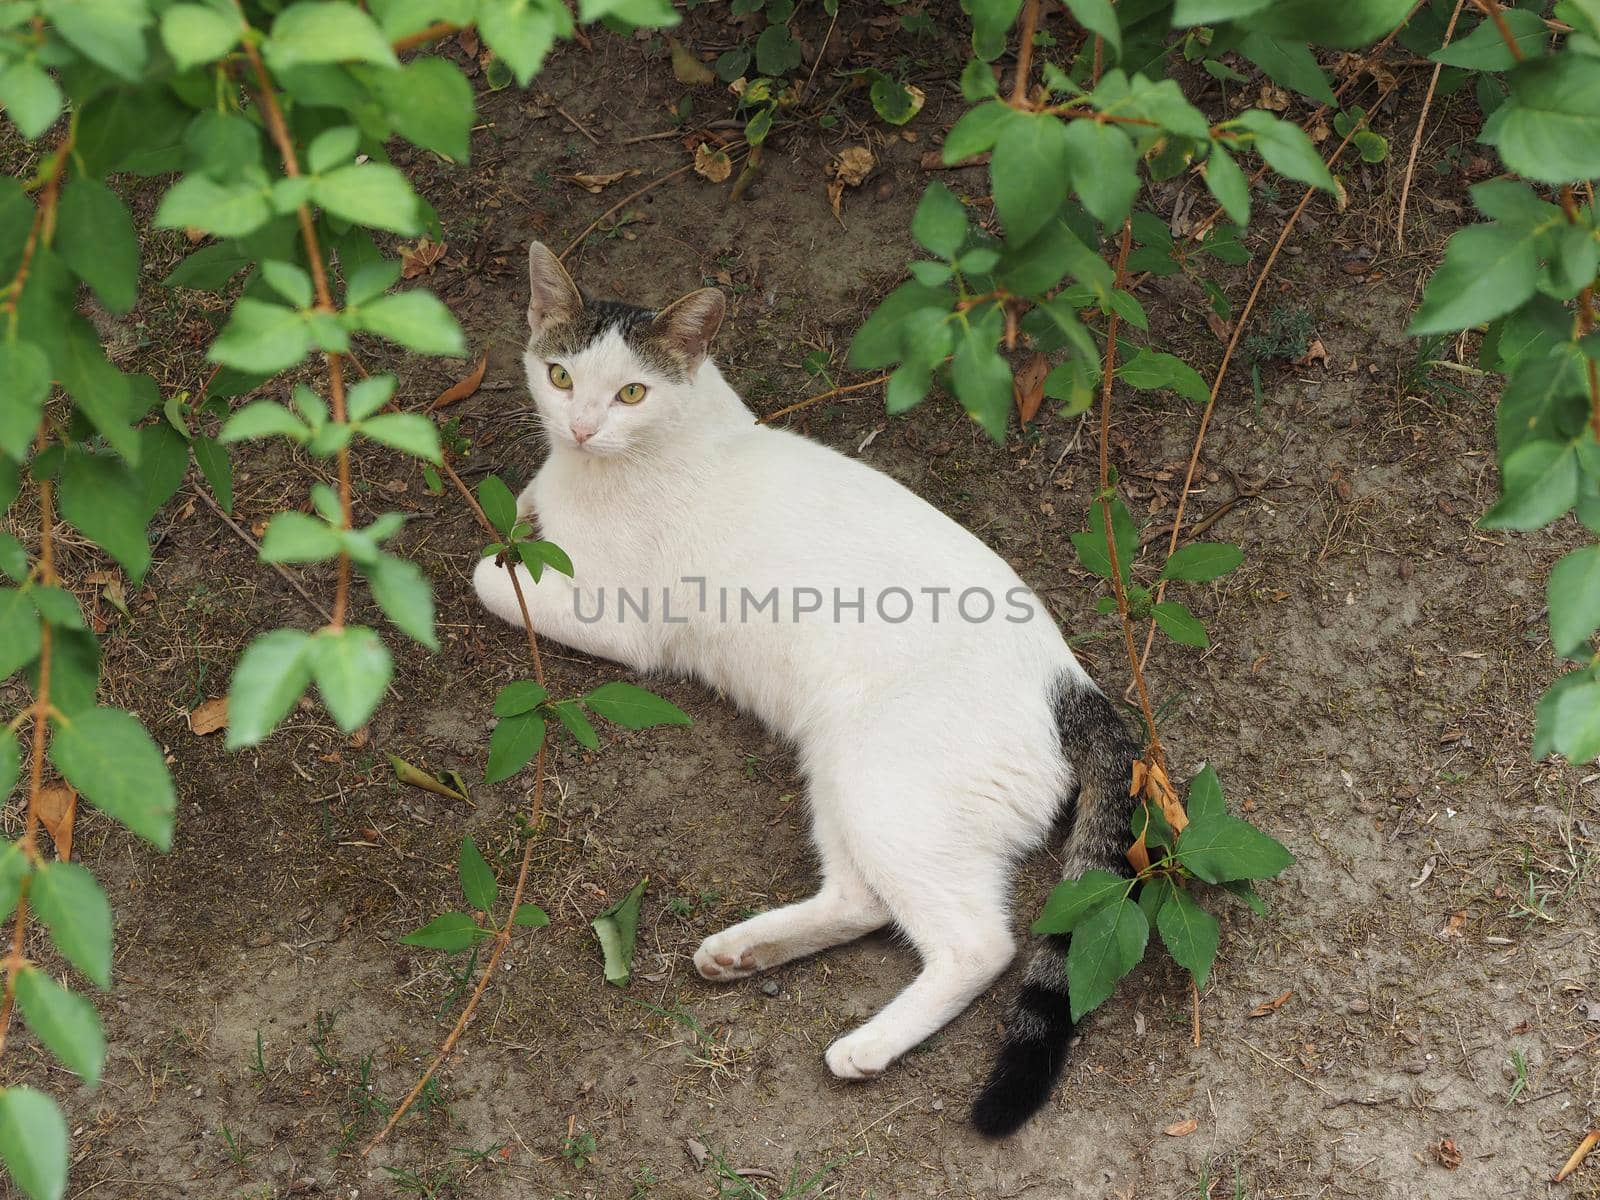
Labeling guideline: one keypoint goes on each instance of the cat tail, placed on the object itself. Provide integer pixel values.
(1096, 743)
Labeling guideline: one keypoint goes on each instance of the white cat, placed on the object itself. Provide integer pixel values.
(941, 722)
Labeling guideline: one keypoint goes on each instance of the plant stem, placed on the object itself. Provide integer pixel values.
(818, 399)
(422, 37)
(1416, 140)
(278, 128)
(1491, 9)
(1019, 86)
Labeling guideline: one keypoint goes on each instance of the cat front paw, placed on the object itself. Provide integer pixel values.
(722, 960)
(864, 1054)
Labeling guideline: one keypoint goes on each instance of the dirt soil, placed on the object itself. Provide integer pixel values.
(1418, 1016)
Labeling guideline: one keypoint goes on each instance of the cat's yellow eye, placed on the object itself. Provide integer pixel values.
(560, 377)
(631, 393)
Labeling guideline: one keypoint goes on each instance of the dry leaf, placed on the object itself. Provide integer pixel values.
(1182, 1128)
(848, 169)
(463, 387)
(686, 68)
(596, 183)
(1159, 788)
(1274, 97)
(1447, 1153)
(467, 39)
(406, 773)
(1027, 387)
(1220, 329)
(714, 165)
(1590, 1141)
(1271, 1006)
(209, 717)
(1316, 353)
(419, 259)
(57, 804)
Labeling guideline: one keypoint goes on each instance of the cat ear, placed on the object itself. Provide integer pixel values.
(553, 298)
(686, 326)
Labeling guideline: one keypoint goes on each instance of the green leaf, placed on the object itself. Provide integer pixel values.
(617, 927)
(13, 557)
(372, 194)
(417, 321)
(498, 504)
(512, 745)
(1074, 899)
(878, 342)
(352, 668)
(270, 676)
(940, 222)
(1241, 889)
(981, 378)
(1485, 50)
(636, 13)
(261, 338)
(450, 932)
(217, 467)
(1104, 168)
(1149, 370)
(977, 130)
(477, 880)
(1286, 148)
(26, 371)
(1106, 946)
(1098, 17)
(1347, 26)
(1217, 848)
(632, 707)
(411, 433)
(10, 763)
(33, 1143)
(1179, 624)
(223, 210)
(575, 723)
(197, 33)
(316, 31)
(402, 591)
(368, 396)
(1205, 796)
(1201, 561)
(777, 52)
(14, 868)
(297, 537)
(109, 32)
(430, 103)
(522, 33)
(1538, 484)
(1030, 172)
(530, 916)
(519, 697)
(1549, 127)
(1228, 184)
(103, 501)
(1575, 600)
(1570, 722)
(30, 97)
(74, 910)
(57, 606)
(20, 635)
(263, 418)
(1488, 270)
(107, 755)
(1290, 64)
(63, 1021)
(289, 281)
(1212, 12)
(1190, 934)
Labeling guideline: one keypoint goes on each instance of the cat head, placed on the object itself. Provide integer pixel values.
(607, 377)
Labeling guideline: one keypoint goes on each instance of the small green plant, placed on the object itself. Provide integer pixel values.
(578, 1149)
(733, 1186)
(238, 1151)
(1284, 337)
(1519, 1076)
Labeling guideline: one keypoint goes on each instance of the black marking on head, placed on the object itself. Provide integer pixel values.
(595, 319)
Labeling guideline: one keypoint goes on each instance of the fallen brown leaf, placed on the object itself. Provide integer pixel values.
(419, 259)
(1446, 1152)
(1315, 353)
(418, 778)
(1027, 387)
(1159, 788)
(1182, 1128)
(209, 716)
(1271, 1006)
(463, 387)
(1590, 1141)
(596, 182)
(1220, 329)
(714, 165)
(57, 805)
(848, 169)
(686, 68)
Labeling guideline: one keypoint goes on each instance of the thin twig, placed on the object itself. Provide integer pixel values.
(1227, 358)
(1491, 9)
(1416, 140)
(577, 124)
(626, 200)
(422, 37)
(818, 399)
(1590, 1141)
(244, 535)
(1019, 86)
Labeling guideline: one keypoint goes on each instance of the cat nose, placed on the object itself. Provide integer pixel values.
(581, 435)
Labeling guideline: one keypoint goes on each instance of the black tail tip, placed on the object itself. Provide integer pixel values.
(1025, 1072)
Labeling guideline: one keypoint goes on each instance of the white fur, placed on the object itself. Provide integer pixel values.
(929, 748)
